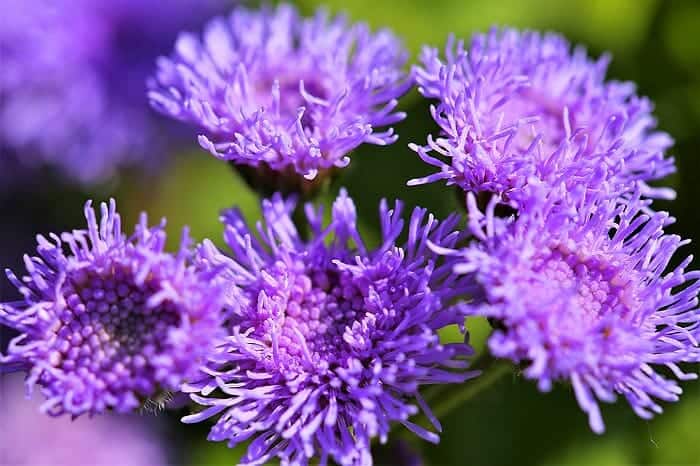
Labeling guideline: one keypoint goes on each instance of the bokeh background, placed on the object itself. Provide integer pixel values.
(655, 43)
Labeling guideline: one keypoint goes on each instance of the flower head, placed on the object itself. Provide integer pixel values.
(108, 320)
(269, 88)
(329, 340)
(34, 439)
(514, 105)
(73, 83)
(581, 293)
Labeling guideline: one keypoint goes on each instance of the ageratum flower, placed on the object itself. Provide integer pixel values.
(514, 105)
(33, 439)
(273, 90)
(330, 340)
(108, 320)
(582, 294)
(73, 82)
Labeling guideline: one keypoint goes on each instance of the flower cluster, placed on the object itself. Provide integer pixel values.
(305, 341)
(107, 320)
(329, 340)
(574, 279)
(514, 105)
(293, 94)
(73, 80)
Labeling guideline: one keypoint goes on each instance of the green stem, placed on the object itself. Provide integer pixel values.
(299, 219)
(445, 397)
(436, 392)
(458, 394)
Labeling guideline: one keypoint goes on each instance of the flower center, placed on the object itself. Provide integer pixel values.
(596, 287)
(304, 315)
(108, 330)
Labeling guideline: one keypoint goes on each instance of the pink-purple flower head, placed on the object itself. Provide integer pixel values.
(514, 105)
(584, 293)
(330, 340)
(272, 88)
(107, 320)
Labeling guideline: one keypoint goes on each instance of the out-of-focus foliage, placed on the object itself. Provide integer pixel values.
(655, 43)
(614, 25)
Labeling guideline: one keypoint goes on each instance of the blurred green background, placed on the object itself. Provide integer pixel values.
(654, 43)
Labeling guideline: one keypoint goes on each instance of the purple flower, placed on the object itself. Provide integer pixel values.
(514, 105)
(329, 340)
(31, 439)
(73, 82)
(270, 88)
(108, 320)
(582, 293)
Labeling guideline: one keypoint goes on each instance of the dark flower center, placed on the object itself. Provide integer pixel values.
(307, 317)
(108, 331)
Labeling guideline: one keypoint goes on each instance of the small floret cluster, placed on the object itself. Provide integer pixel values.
(515, 105)
(293, 94)
(108, 321)
(330, 340)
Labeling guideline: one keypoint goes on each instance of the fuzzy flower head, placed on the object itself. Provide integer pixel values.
(294, 94)
(583, 294)
(514, 105)
(108, 320)
(329, 340)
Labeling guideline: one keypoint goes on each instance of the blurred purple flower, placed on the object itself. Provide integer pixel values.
(73, 83)
(329, 340)
(514, 105)
(581, 293)
(113, 320)
(272, 88)
(31, 439)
